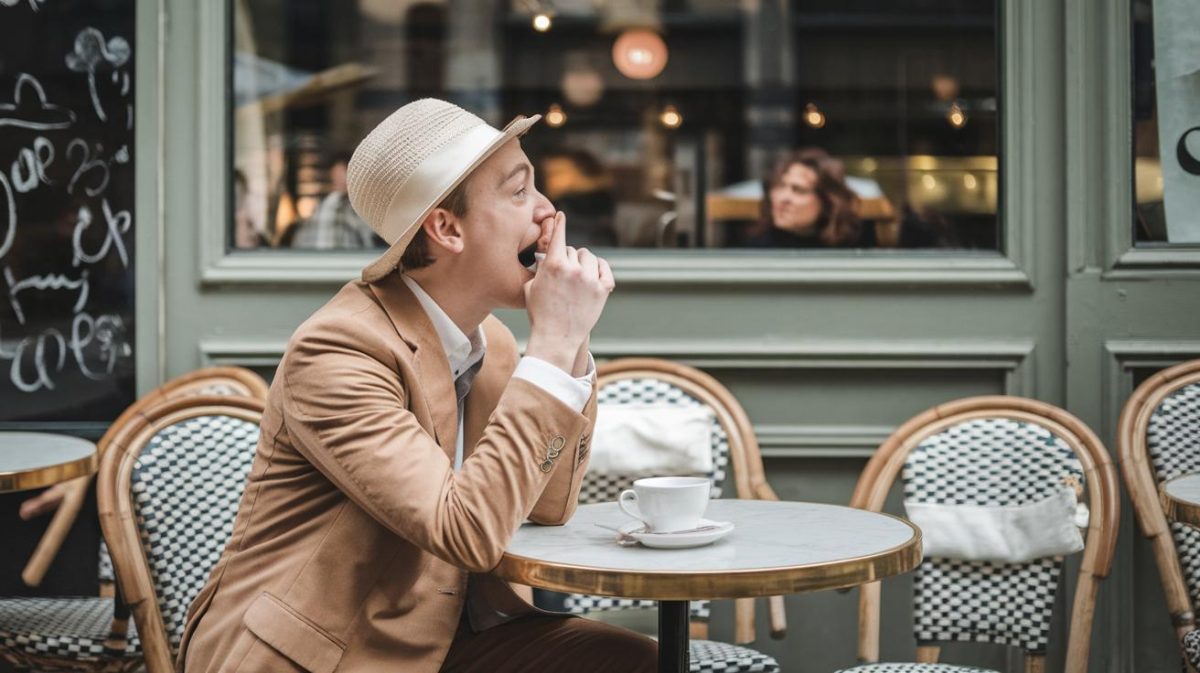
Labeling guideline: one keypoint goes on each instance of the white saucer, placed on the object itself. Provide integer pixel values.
(681, 539)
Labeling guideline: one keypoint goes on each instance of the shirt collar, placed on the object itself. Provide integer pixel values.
(461, 352)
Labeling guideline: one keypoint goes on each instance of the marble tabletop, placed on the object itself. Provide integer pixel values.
(1181, 498)
(775, 548)
(36, 459)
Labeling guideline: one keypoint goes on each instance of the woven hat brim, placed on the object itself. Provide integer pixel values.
(390, 259)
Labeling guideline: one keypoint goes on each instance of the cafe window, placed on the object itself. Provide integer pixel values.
(666, 123)
(1166, 128)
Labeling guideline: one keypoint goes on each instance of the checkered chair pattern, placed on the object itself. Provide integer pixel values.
(1191, 648)
(989, 462)
(186, 485)
(705, 655)
(73, 629)
(1171, 445)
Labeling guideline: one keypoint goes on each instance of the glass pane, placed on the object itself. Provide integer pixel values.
(667, 123)
(1166, 130)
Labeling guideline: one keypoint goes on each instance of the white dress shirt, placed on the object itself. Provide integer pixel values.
(463, 352)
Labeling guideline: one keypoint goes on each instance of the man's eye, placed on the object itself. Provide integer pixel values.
(521, 192)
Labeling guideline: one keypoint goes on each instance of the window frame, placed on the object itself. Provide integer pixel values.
(1025, 165)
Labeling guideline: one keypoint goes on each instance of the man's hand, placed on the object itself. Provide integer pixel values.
(565, 298)
(45, 502)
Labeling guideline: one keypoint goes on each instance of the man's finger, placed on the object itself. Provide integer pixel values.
(606, 274)
(558, 239)
(588, 261)
(571, 253)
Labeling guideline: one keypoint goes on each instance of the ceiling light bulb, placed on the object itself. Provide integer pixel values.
(928, 182)
(541, 22)
(670, 117)
(555, 116)
(813, 116)
(639, 54)
(970, 182)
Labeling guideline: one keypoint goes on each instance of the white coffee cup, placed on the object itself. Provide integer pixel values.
(667, 504)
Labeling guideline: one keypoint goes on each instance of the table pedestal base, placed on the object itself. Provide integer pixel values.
(673, 636)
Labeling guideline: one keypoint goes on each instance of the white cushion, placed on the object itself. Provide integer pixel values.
(1001, 534)
(659, 439)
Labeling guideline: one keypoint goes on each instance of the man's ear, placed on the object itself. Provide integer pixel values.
(443, 231)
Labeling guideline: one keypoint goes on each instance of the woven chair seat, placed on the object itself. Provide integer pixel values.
(63, 628)
(709, 656)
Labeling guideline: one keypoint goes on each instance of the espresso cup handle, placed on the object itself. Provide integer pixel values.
(628, 504)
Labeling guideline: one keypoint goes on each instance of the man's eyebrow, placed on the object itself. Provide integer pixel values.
(513, 173)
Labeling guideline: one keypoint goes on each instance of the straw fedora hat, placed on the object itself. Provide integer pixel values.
(412, 161)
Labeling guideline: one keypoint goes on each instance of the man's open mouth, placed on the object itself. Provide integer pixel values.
(528, 257)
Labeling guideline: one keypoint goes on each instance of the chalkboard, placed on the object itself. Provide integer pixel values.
(66, 211)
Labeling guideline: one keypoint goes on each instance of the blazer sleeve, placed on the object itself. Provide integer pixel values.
(346, 412)
(561, 495)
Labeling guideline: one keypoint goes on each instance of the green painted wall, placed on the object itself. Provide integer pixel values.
(827, 353)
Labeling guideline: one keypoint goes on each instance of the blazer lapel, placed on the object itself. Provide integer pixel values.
(429, 358)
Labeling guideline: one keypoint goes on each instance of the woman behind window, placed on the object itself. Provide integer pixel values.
(807, 205)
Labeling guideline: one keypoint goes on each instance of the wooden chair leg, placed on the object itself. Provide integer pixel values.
(743, 612)
(1035, 663)
(928, 654)
(868, 623)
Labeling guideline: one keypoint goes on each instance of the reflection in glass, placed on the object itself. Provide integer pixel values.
(667, 123)
(1166, 136)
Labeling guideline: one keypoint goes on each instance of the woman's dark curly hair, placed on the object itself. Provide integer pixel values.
(838, 224)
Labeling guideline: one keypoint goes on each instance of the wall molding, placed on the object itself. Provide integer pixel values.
(1013, 357)
(820, 441)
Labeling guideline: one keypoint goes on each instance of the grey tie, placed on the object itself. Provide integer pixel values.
(462, 384)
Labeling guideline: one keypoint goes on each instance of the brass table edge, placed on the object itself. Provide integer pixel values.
(1178, 509)
(25, 480)
(722, 584)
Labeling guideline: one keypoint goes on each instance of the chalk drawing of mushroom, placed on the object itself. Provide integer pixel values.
(90, 52)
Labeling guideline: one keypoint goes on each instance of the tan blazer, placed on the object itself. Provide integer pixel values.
(356, 545)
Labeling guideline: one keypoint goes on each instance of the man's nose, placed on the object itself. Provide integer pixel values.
(542, 207)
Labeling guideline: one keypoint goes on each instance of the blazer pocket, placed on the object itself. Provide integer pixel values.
(293, 636)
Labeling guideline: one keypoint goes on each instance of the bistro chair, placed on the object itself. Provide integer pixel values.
(169, 489)
(1156, 442)
(89, 633)
(983, 452)
(641, 381)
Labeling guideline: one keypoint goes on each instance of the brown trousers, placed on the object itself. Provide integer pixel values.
(551, 644)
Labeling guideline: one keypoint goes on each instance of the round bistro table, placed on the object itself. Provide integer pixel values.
(1181, 499)
(36, 459)
(775, 548)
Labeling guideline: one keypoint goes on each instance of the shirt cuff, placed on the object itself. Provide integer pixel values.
(573, 392)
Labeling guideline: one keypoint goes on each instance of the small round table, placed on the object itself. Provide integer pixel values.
(36, 459)
(775, 548)
(1181, 499)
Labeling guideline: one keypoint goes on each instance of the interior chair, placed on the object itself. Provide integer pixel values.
(992, 451)
(89, 633)
(169, 489)
(654, 381)
(1156, 442)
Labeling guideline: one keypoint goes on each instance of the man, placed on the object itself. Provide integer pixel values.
(397, 458)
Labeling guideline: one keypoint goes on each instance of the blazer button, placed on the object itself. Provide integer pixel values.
(547, 465)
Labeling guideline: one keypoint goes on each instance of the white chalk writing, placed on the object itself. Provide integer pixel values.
(51, 281)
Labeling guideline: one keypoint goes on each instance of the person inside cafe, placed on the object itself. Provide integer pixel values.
(808, 205)
(333, 225)
(405, 439)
